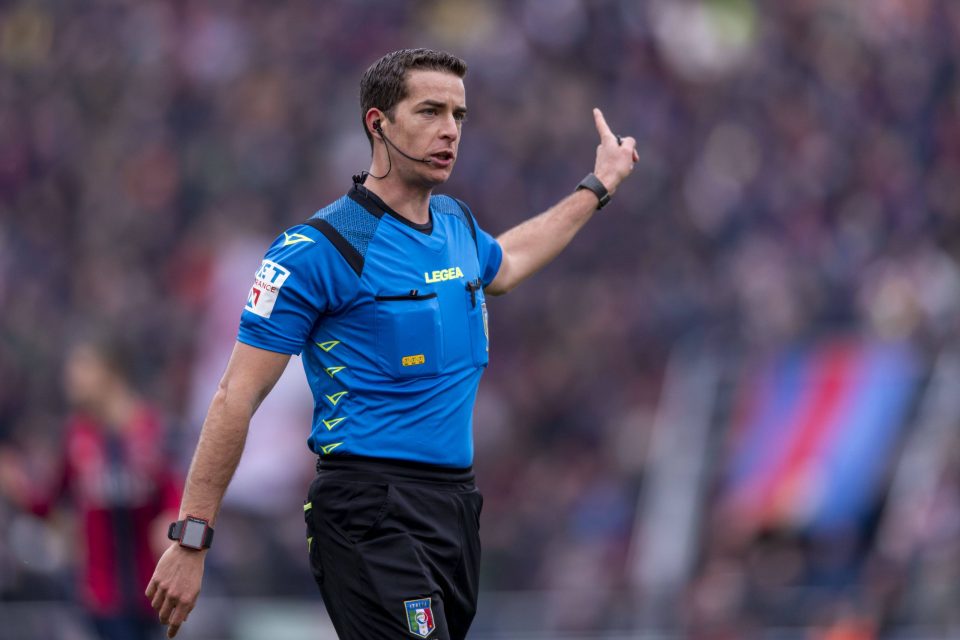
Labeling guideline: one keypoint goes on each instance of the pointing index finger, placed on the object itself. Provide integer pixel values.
(602, 127)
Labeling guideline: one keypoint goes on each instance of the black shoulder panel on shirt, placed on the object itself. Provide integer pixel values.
(350, 227)
(458, 209)
(351, 255)
(469, 216)
(374, 205)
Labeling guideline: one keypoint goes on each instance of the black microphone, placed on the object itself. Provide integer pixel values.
(379, 129)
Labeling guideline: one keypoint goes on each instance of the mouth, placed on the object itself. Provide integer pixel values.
(442, 158)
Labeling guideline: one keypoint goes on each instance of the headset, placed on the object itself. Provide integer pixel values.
(379, 129)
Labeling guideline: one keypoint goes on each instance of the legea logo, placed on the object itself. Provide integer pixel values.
(443, 274)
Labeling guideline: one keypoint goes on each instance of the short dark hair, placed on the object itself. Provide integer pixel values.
(116, 351)
(384, 82)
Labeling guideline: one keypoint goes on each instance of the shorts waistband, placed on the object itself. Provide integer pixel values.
(396, 469)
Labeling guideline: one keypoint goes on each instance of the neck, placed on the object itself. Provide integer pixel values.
(117, 409)
(409, 199)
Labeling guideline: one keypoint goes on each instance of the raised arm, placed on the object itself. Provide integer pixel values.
(250, 374)
(529, 246)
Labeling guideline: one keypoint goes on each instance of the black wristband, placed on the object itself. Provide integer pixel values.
(592, 182)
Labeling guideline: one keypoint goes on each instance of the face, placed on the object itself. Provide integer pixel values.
(85, 376)
(426, 124)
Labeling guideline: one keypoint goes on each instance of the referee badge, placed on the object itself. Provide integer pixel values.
(486, 324)
(419, 617)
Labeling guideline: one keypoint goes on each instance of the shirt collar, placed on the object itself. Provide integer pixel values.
(377, 207)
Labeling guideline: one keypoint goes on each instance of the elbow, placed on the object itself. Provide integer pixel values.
(232, 399)
(503, 284)
(505, 280)
(499, 288)
(222, 400)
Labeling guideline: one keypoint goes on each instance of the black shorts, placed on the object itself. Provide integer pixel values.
(395, 548)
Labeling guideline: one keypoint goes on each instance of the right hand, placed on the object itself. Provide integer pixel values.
(175, 585)
(614, 161)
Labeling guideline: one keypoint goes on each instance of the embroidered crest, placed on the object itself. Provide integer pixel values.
(419, 617)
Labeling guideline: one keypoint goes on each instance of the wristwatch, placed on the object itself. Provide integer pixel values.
(592, 182)
(192, 533)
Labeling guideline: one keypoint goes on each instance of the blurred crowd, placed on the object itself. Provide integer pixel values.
(799, 177)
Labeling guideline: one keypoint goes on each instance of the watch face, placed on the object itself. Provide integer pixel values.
(193, 534)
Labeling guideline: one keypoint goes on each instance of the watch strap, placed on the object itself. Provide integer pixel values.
(592, 183)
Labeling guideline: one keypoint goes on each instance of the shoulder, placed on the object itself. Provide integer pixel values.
(295, 243)
(448, 205)
(348, 226)
(147, 417)
(456, 209)
(342, 227)
(78, 424)
(348, 218)
(82, 436)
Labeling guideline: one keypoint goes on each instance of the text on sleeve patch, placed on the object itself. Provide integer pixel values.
(266, 287)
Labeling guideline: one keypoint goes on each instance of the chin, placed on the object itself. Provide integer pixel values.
(436, 177)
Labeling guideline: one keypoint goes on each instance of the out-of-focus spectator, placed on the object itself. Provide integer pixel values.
(116, 473)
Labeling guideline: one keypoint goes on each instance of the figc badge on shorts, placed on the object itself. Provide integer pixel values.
(419, 617)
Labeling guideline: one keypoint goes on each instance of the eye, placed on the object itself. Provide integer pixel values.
(460, 117)
(430, 111)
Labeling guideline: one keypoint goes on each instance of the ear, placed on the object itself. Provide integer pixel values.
(374, 118)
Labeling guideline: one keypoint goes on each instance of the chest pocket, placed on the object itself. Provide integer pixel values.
(409, 335)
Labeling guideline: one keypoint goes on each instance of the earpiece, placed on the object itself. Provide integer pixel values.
(379, 129)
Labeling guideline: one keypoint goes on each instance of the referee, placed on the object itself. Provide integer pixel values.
(384, 294)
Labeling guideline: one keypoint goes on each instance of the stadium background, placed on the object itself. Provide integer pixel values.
(726, 411)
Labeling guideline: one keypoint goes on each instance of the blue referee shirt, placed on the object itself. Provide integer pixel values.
(391, 320)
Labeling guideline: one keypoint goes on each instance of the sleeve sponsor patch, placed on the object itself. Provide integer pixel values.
(266, 287)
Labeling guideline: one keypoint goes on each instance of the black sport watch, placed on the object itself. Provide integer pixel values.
(592, 182)
(192, 533)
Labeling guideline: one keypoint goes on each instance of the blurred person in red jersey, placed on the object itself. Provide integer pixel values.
(115, 473)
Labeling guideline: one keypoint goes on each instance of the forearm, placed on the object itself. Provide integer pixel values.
(529, 246)
(217, 455)
(250, 374)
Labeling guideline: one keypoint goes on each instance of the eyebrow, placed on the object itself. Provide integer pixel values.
(437, 103)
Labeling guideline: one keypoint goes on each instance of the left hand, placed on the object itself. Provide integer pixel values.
(175, 585)
(615, 158)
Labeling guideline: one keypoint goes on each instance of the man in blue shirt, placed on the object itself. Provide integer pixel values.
(383, 292)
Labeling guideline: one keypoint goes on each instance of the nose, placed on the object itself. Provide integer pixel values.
(450, 129)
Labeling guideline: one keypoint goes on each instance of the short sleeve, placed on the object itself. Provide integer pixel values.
(489, 252)
(490, 255)
(301, 278)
